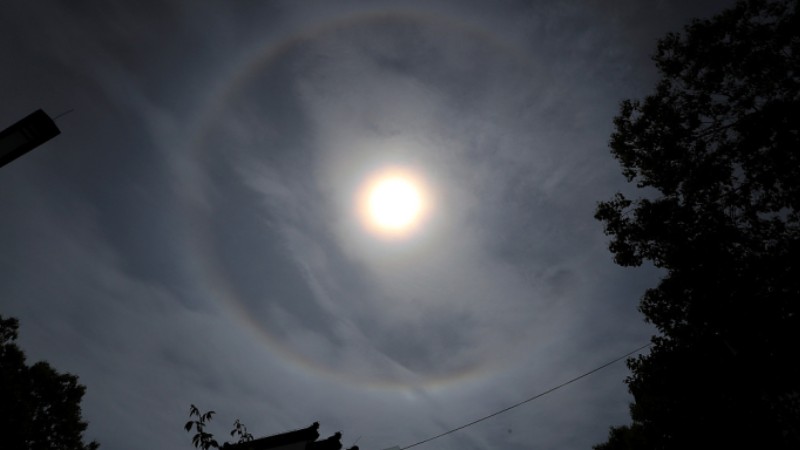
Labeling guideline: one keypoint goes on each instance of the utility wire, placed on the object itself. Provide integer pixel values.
(529, 399)
(63, 114)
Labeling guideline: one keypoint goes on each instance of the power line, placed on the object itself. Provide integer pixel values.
(63, 114)
(529, 399)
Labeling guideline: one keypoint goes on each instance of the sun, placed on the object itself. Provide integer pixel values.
(392, 202)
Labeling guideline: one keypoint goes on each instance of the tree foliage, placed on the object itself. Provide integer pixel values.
(40, 407)
(201, 439)
(716, 152)
(205, 440)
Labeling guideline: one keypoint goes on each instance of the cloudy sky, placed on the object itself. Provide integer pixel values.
(195, 234)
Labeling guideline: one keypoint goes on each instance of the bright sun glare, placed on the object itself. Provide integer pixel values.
(392, 203)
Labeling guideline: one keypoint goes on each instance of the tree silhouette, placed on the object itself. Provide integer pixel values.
(39, 407)
(205, 440)
(201, 438)
(716, 153)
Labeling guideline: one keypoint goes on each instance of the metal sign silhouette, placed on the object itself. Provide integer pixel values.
(25, 135)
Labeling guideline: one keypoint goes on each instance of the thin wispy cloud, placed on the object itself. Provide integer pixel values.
(194, 236)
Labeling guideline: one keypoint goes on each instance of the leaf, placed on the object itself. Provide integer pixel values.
(188, 425)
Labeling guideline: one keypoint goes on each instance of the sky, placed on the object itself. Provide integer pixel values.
(195, 234)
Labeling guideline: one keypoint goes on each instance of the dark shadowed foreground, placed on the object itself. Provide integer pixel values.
(39, 406)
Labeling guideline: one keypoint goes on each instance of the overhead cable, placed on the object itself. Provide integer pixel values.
(542, 394)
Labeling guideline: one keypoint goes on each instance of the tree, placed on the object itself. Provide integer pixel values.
(205, 440)
(40, 407)
(715, 152)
